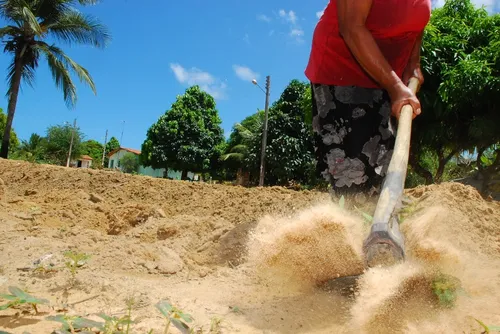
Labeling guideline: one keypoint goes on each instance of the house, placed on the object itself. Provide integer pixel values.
(84, 161)
(114, 163)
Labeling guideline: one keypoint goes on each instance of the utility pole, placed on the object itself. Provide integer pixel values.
(104, 150)
(264, 135)
(71, 143)
(121, 137)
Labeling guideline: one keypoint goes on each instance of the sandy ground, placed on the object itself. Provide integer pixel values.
(238, 260)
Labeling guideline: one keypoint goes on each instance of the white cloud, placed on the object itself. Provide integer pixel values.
(296, 33)
(289, 17)
(292, 19)
(246, 39)
(319, 14)
(245, 73)
(205, 80)
(264, 18)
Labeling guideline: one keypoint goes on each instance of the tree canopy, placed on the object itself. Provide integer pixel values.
(94, 149)
(58, 141)
(461, 93)
(13, 141)
(188, 137)
(32, 27)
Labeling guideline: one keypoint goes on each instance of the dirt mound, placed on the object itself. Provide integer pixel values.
(237, 259)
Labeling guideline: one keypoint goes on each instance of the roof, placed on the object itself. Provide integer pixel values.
(131, 150)
(85, 157)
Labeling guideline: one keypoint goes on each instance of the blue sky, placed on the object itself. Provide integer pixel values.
(160, 48)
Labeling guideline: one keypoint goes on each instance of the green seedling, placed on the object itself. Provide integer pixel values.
(446, 289)
(72, 324)
(235, 309)
(114, 324)
(19, 297)
(367, 218)
(342, 202)
(487, 329)
(215, 324)
(130, 304)
(175, 316)
(76, 260)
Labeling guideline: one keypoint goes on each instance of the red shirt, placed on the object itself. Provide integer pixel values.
(395, 25)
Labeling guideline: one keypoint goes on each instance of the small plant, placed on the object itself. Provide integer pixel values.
(235, 309)
(342, 202)
(114, 324)
(19, 297)
(487, 329)
(446, 288)
(174, 316)
(215, 325)
(76, 260)
(72, 324)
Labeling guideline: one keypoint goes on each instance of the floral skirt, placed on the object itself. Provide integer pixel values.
(354, 137)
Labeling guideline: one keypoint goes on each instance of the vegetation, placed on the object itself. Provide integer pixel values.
(130, 163)
(457, 136)
(188, 137)
(460, 96)
(19, 297)
(32, 24)
(13, 141)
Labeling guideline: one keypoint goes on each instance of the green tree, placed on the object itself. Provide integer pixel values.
(94, 149)
(58, 143)
(188, 137)
(32, 24)
(13, 141)
(290, 149)
(461, 93)
(244, 137)
(111, 145)
(129, 163)
(33, 150)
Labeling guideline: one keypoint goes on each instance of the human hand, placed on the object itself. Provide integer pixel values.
(400, 96)
(413, 70)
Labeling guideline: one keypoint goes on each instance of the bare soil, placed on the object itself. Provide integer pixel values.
(250, 257)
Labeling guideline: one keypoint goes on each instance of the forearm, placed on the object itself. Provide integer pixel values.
(366, 51)
(415, 54)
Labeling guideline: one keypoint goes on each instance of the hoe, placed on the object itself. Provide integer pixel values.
(384, 246)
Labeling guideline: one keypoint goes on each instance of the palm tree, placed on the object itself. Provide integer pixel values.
(32, 23)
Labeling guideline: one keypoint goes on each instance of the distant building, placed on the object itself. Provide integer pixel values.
(114, 163)
(84, 161)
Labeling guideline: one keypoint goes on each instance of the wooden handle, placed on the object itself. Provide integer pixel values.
(393, 186)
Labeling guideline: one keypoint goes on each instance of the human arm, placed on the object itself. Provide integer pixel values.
(413, 67)
(352, 16)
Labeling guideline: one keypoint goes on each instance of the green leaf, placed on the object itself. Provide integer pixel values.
(164, 307)
(342, 202)
(182, 327)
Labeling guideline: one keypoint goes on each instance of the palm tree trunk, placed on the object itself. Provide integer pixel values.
(16, 82)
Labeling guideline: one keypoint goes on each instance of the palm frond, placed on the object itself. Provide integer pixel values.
(21, 12)
(68, 63)
(30, 19)
(9, 31)
(88, 2)
(60, 74)
(241, 148)
(233, 156)
(75, 27)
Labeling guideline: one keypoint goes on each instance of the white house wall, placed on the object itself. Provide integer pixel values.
(173, 174)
